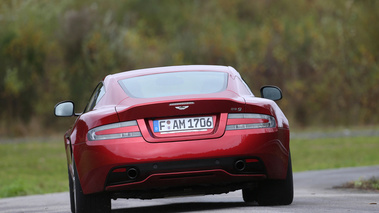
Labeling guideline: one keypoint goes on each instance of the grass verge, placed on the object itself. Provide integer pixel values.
(32, 168)
(370, 184)
(40, 167)
(328, 153)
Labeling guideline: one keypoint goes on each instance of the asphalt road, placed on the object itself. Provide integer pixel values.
(314, 192)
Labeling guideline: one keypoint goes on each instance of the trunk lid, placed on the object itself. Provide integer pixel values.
(184, 118)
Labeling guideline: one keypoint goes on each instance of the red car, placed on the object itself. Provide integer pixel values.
(173, 131)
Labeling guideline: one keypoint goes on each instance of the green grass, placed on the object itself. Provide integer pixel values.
(326, 153)
(40, 167)
(32, 168)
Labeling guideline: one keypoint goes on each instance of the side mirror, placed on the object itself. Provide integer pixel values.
(64, 109)
(271, 92)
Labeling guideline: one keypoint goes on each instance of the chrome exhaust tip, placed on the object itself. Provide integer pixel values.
(240, 165)
(132, 173)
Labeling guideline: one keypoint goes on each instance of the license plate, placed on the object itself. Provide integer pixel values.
(183, 124)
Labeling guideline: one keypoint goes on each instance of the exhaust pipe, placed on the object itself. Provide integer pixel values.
(132, 173)
(240, 165)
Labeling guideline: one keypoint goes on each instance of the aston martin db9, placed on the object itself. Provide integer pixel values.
(177, 131)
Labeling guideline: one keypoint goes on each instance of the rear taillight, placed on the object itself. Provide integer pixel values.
(238, 121)
(127, 129)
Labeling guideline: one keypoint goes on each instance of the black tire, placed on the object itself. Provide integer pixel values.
(272, 192)
(249, 195)
(72, 197)
(99, 202)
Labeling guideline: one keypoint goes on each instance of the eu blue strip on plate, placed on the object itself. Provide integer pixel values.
(156, 126)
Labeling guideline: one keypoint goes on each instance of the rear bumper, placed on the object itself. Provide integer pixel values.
(160, 175)
(184, 183)
(161, 166)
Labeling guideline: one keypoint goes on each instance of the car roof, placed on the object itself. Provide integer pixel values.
(182, 68)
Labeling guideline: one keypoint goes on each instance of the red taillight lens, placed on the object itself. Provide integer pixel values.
(238, 121)
(127, 129)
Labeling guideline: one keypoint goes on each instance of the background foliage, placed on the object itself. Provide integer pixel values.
(323, 54)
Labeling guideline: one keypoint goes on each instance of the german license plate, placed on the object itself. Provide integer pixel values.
(183, 124)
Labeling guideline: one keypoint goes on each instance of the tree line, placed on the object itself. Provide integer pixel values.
(323, 54)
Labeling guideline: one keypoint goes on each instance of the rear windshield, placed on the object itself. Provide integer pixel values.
(174, 83)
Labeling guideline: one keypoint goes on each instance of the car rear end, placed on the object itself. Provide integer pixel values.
(204, 143)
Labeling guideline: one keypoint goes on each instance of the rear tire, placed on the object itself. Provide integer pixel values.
(272, 192)
(72, 197)
(249, 195)
(99, 202)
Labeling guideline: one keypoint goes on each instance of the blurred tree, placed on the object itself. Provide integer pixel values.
(323, 54)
